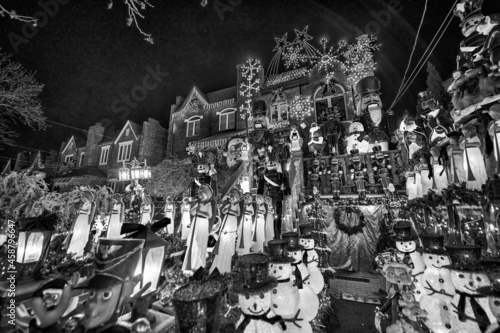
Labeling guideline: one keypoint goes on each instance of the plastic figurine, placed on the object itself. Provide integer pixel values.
(170, 213)
(473, 158)
(202, 212)
(439, 176)
(370, 104)
(259, 229)
(490, 27)
(456, 157)
(317, 143)
(245, 227)
(269, 219)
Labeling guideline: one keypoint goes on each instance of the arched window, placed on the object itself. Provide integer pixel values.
(193, 126)
(325, 104)
(227, 119)
(279, 111)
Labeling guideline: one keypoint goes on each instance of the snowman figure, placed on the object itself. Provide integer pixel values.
(470, 312)
(406, 244)
(285, 299)
(301, 278)
(493, 294)
(310, 257)
(435, 280)
(254, 291)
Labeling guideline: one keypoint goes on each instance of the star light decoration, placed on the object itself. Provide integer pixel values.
(249, 71)
(358, 58)
(325, 58)
(300, 107)
(134, 11)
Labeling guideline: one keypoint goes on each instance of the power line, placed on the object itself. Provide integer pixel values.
(80, 129)
(412, 51)
(398, 96)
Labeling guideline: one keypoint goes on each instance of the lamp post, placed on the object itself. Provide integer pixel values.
(134, 170)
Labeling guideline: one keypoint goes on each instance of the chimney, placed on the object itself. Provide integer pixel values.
(94, 138)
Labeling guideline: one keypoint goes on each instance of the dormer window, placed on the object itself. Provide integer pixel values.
(227, 119)
(127, 131)
(279, 112)
(193, 126)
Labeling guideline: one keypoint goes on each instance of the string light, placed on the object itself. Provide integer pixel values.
(134, 11)
(15, 16)
(300, 107)
(251, 84)
(294, 57)
(358, 58)
(325, 58)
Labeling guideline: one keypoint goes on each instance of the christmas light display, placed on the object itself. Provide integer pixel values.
(134, 11)
(294, 57)
(358, 58)
(325, 58)
(301, 107)
(251, 85)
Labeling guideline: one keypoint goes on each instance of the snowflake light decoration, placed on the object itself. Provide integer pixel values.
(325, 58)
(358, 58)
(294, 57)
(300, 107)
(249, 71)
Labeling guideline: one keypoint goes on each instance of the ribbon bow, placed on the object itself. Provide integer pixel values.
(45, 222)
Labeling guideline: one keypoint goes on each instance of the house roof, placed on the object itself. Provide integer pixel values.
(136, 130)
(193, 92)
(222, 95)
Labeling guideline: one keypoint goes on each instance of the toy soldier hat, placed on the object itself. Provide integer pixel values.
(207, 190)
(354, 151)
(454, 134)
(278, 251)
(54, 284)
(237, 193)
(377, 148)
(293, 241)
(306, 230)
(259, 108)
(368, 85)
(433, 243)
(403, 232)
(465, 257)
(115, 261)
(254, 270)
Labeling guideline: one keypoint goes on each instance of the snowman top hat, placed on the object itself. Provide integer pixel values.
(433, 243)
(254, 270)
(492, 268)
(293, 241)
(403, 232)
(465, 258)
(278, 251)
(306, 230)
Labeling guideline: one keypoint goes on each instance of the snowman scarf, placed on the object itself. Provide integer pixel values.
(304, 258)
(480, 315)
(299, 281)
(263, 317)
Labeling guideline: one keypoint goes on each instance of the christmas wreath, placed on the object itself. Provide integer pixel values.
(348, 229)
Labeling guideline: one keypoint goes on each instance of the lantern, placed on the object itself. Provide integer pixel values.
(124, 173)
(147, 172)
(153, 254)
(135, 172)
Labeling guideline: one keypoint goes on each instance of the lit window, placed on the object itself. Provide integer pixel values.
(193, 126)
(124, 151)
(279, 112)
(127, 131)
(227, 120)
(82, 156)
(104, 155)
(326, 104)
(68, 159)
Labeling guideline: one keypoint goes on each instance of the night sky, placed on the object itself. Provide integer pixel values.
(87, 57)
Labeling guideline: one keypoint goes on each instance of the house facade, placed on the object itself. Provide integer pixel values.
(212, 119)
(96, 160)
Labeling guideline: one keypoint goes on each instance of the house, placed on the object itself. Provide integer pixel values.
(96, 160)
(211, 119)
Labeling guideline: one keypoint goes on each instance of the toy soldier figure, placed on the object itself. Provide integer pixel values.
(381, 169)
(259, 126)
(333, 128)
(358, 173)
(314, 173)
(336, 176)
(370, 104)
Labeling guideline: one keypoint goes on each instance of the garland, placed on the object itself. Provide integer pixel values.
(347, 229)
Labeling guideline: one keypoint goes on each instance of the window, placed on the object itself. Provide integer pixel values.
(82, 156)
(279, 112)
(193, 126)
(104, 155)
(68, 159)
(124, 151)
(327, 104)
(227, 120)
(127, 131)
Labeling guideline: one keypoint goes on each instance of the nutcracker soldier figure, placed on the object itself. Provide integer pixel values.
(358, 173)
(382, 169)
(370, 104)
(336, 175)
(317, 143)
(259, 125)
(314, 173)
(333, 128)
